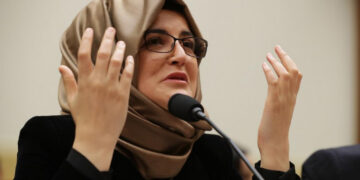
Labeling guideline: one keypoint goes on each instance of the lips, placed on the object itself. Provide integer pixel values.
(177, 76)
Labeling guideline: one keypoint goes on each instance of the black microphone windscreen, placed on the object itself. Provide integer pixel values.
(182, 107)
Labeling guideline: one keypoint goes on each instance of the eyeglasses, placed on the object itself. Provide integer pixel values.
(162, 42)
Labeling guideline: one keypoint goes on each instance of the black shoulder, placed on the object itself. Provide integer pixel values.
(333, 163)
(42, 126)
(348, 152)
(321, 165)
(48, 121)
(44, 141)
(48, 130)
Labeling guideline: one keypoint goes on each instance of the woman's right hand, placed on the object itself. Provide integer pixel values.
(98, 101)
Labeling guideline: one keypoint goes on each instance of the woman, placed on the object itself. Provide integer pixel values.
(153, 144)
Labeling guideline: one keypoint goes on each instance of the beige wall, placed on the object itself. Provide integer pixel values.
(320, 36)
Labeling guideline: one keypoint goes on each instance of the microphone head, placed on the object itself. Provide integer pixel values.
(182, 107)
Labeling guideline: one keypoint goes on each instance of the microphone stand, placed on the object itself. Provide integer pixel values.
(201, 115)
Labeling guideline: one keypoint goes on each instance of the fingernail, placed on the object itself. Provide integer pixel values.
(110, 29)
(280, 48)
(121, 44)
(270, 56)
(88, 30)
(265, 66)
(131, 59)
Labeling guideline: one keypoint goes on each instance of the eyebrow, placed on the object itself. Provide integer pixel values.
(183, 33)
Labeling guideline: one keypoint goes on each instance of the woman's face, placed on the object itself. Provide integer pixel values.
(162, 75)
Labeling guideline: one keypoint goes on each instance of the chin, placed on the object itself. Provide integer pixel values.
(181, 91)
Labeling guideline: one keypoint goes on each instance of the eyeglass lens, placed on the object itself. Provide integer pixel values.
(164, 43)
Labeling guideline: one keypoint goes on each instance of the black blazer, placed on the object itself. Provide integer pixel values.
(45, 152)
(333, 164)
(45, 142)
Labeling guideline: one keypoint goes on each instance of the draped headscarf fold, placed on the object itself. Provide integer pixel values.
(155, 141)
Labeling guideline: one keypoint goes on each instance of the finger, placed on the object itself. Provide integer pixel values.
(269, 74)
(299, 78)
(116, 61)
(286, 60)
(69, 82)
(84, 53)
(104, 52)
(127, 74)
(278, 67)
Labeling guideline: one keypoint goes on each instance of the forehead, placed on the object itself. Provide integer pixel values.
(171, 22)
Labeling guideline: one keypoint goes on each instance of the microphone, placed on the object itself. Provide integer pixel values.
(188, 109)
(185, 107)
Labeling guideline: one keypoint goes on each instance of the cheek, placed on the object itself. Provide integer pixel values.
(149, 77)
(141, 73)
(149, 68)
(193, 73)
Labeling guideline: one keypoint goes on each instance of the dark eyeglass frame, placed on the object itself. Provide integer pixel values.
(181, 40)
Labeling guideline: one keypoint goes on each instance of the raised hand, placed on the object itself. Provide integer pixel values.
(273, 132)
(99, 99)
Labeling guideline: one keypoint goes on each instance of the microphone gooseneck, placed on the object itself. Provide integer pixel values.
(188, 109)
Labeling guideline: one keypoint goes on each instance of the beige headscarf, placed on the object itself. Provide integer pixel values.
(156, 142)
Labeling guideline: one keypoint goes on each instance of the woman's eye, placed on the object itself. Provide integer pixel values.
(189, 44)
(154, 41)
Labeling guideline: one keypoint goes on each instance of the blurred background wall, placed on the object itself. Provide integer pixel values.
(319, 35)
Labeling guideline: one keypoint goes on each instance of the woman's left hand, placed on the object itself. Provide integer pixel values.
(273, 131)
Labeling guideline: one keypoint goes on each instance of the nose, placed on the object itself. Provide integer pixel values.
(178, 55)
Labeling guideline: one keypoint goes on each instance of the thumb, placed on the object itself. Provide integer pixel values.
(69, 82)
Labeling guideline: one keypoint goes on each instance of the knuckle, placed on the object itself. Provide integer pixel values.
(286, 76)
(96, 84)
(103, 55)
(83, 54)
(116, 63)
(114, 92)
(127, 74)
(300, 75)
(118, 93)
(272, 83)
(294, 72)
(121, 93)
